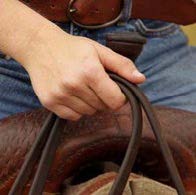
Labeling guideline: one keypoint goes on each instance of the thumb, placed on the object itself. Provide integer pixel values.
(119, 64)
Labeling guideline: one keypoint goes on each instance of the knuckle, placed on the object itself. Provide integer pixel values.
(74, 117)
(126, 61)
(101, 106)
(59, 93)
(72, 84)
(61, 115)
(47, 101)
(118, 103)
(62, 97)
(116, 106)
(91, 72)
(68, 115)
(91, 112)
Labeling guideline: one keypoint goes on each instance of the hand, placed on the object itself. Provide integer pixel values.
(68, 74)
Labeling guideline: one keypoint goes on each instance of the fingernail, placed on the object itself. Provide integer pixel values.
(137, 74)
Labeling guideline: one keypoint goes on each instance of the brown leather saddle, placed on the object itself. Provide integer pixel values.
(103, 137)
(47, 143)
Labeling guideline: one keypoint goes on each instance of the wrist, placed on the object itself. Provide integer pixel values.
(34, 43)
(43, 46)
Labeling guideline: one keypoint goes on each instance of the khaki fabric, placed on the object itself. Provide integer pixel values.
(137, 185)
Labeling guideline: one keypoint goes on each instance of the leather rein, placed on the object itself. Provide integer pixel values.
(47, 142)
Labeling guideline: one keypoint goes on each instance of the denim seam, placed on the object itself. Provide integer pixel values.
(159, 32)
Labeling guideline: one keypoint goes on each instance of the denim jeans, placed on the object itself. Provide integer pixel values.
(167, 61)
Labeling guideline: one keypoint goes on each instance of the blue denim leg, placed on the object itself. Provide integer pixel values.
(167, 61)
(16, 93)
(170, 67)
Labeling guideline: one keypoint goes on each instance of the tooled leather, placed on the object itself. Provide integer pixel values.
(89, 12)
(102, 137)
(101, 11)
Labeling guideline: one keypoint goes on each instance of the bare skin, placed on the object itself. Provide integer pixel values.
(67, 72)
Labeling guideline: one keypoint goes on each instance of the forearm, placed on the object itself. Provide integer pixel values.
(18, 27)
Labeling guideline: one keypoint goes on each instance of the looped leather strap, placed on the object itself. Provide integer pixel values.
(50, 134)
(127, 10)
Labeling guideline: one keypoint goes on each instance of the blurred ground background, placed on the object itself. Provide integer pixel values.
(190, 31)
